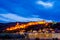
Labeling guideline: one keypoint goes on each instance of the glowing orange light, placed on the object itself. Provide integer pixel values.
(18, 26)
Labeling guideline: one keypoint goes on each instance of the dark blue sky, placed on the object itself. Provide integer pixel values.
(29, 10)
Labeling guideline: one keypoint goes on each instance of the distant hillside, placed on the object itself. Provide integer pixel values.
(3, 26)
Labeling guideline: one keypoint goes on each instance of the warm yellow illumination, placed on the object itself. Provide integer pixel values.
(18, 26)
(41, 22)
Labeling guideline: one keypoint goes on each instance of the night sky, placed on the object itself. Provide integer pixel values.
(29, 10)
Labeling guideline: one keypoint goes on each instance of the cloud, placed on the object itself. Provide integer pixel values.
(49, 21)
(45, 4)
(3, 19)
(12, 17)
(19, 18)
